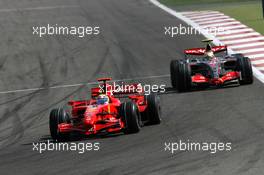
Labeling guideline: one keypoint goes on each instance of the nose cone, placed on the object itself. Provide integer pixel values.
(90, 114)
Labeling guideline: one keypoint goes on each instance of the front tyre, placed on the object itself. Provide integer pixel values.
(244, 66)
(58, 116)
(180, 76)
(131, 117)
(174, 71)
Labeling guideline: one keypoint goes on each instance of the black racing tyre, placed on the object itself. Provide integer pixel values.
(58, 116)
(153, 110)
(180, 76)
(244, 66)
(131, 117)
(184, 78)
(174, 70)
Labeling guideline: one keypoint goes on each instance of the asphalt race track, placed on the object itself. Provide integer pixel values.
(131, 44)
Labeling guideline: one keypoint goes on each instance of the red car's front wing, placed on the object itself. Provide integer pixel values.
(230, 76)
(91, 128)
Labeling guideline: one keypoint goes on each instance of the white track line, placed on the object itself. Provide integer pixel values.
(206, 16)
(235, 27)
(80, 84)
(39, 8)
(237, 41)
(261, 68)
(211, 19)
(239, 35)
(258, 74)
(234, 31)
(238, 46)
(216, 41)
(196, 12)
(220, 24)
(251, 50)
(200, 12)
(258, 62)
(255, 56)
(215, 21)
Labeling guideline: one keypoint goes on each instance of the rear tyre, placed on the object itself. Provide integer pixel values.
(131, 117)
(244, 66)
(58, 116)
(180, 76)
(153, 110)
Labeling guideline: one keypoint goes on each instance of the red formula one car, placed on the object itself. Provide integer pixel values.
(201, 68)
(104, 113)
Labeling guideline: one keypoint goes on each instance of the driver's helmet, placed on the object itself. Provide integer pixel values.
(102, 99)
(209, 52)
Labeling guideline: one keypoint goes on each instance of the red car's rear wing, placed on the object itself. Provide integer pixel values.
(104, 79)
(201, 51)
(127, 89)
(118, 90)
(102, 89)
